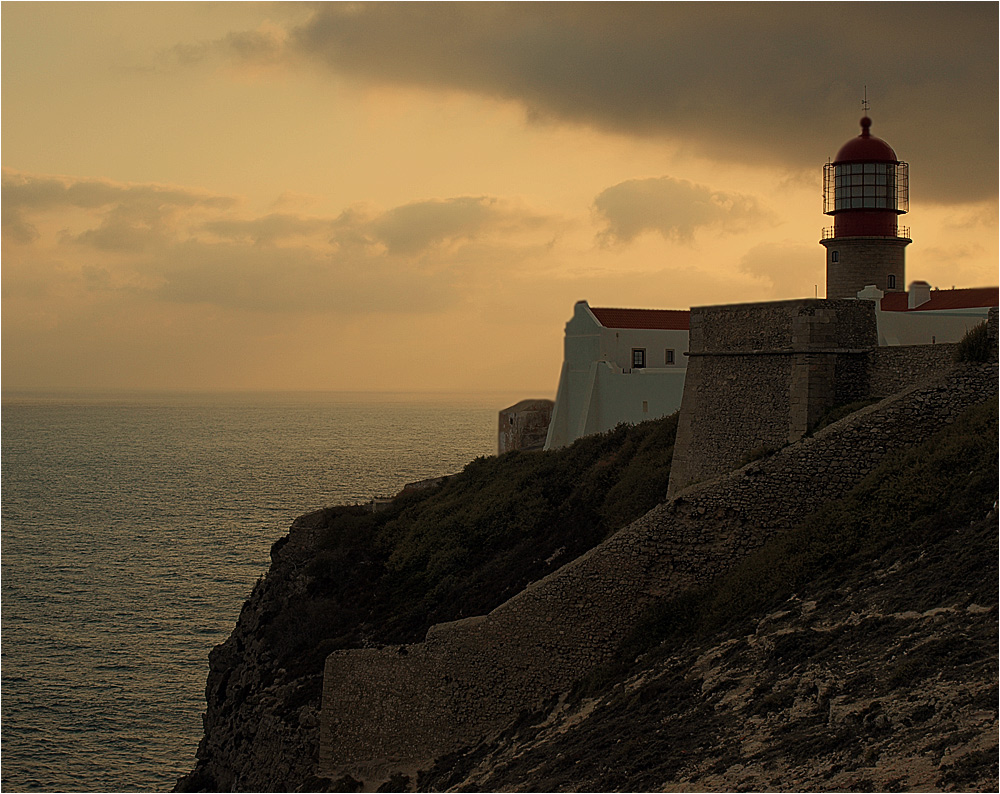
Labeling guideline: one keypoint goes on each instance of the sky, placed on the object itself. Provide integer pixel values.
(411, 197)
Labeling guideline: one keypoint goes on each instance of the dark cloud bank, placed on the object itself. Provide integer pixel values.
(779, 83)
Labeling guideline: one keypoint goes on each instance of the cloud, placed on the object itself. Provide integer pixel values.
(778, 84)
(130, 217)
(269, 229)
(675, 208)
(184, 246)
(265, 46)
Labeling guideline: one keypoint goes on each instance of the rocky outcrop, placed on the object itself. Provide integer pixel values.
(262, 717)
(334, 583)
(261, 720)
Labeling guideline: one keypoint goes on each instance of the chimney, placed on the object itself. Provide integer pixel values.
(918, 294)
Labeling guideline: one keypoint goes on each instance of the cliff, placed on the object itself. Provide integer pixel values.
(348, 578)
(872, 666)
(458, 625)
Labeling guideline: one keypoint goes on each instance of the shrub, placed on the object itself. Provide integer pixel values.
(975, 345)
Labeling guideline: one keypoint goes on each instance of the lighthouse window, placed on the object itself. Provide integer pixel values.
(835, 256)
(869, 168)
(892, 281)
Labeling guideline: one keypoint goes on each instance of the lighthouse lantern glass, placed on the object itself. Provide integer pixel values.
(866, 186)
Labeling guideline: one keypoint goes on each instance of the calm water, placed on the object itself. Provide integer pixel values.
(134, 528)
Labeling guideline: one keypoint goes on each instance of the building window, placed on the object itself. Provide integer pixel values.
(669, 358)
(892, 281)
(638, 357)
(645, 406)
(835, 256)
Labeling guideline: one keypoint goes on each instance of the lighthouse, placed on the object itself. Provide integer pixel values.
(865, 189)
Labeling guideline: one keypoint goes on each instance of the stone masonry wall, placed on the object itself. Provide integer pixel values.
(761, 375)
(863, 261)
(524, 425)
(895, 368)
(398, 708)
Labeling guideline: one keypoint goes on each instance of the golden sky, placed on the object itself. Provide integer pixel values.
(412, 196)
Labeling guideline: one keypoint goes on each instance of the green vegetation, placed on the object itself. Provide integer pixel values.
(912, 504)
(465, 547)
(975, 345)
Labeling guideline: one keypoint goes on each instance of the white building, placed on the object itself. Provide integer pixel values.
(925, 316)
(619, 366)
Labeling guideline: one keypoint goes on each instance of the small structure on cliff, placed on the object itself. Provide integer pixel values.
(524, 425)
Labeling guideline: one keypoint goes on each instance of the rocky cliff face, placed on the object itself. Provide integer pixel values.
(349, 578)
(261, 722)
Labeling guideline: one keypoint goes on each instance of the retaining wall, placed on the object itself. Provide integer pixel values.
(398, 708)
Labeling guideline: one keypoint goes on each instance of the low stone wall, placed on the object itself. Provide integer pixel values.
(895, 368)
(398, 708)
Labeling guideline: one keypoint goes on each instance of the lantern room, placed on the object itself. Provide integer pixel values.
(866, 188)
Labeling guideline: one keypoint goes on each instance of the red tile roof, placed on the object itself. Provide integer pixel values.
(658, 319)
(975, 298)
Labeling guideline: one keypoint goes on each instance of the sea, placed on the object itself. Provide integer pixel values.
(134, 527)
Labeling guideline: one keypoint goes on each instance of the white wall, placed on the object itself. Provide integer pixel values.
(925, 328)
(598, 389)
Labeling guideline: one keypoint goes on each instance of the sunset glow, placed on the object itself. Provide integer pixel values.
(399, 197)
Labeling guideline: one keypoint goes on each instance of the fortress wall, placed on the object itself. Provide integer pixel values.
(895, 368)
(762, 374)
(398, 708)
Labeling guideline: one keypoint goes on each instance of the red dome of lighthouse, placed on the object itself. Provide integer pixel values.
(866, 148)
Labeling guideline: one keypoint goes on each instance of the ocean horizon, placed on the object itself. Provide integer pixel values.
(135, 524)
